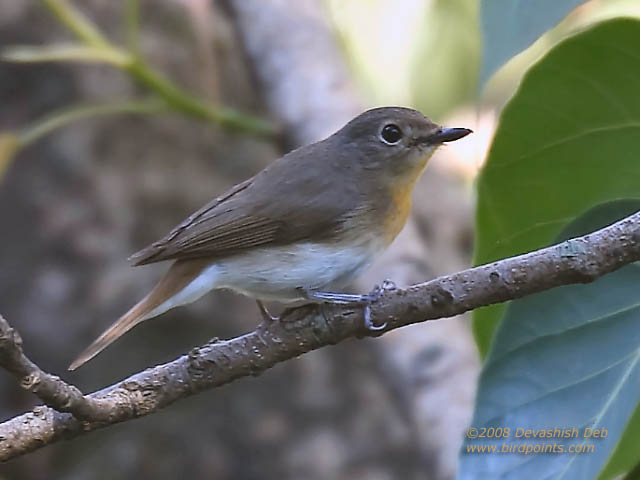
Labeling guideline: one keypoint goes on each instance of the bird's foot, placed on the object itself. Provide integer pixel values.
(365, 300)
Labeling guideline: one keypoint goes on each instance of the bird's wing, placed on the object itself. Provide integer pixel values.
(268, 209)
(211, 231)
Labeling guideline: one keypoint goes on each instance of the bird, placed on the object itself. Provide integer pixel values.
(304, 226)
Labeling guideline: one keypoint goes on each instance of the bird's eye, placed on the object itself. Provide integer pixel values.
(391, 134)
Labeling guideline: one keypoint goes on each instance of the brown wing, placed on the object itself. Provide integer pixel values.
(284, 203)
(209, 231)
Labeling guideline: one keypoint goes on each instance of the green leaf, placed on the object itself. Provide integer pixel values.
(568, 140)
(510, 26)
(565, 358)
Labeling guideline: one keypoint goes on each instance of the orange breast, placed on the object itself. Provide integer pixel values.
(396, 216)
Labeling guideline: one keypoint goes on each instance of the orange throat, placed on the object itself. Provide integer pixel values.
(400, 196)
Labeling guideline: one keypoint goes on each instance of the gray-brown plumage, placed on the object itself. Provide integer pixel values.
(247, 215)
(314, 217)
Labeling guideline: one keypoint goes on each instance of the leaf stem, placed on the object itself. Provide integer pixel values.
(66, 53)
(75, 21)
(183, 101)
(59, 119)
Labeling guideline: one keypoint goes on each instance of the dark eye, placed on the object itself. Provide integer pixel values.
(391, 134)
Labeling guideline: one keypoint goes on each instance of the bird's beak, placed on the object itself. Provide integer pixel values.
(445, 134)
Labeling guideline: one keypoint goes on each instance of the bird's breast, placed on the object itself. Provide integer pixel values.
(396, 214)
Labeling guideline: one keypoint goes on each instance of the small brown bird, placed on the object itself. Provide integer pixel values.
(311, 221)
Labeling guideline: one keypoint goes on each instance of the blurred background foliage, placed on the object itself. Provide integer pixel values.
(423, 53)
(427, 53)
(77, 200)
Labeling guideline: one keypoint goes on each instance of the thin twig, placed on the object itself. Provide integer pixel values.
(579, 260)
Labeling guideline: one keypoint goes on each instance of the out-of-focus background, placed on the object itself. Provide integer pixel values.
(75, 204)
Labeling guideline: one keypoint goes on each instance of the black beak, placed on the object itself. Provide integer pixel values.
(447, 135)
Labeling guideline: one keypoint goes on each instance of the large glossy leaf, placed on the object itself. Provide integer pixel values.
(565, 358)
(510, 26)
(568, 140)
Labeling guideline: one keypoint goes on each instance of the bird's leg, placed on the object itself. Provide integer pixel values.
(267, 321)
(267, 318)
(365, 300)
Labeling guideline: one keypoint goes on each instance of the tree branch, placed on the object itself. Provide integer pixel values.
(49, 388)
(579, 260)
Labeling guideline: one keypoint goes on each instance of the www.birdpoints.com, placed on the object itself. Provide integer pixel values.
(514, 440)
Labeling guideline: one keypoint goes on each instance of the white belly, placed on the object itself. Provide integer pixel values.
(276, 273)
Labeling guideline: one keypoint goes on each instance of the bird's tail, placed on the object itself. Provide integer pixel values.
(159, 300)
